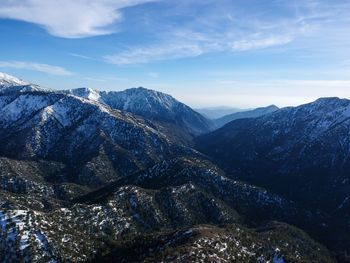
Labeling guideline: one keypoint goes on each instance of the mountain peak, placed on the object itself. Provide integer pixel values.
(86, 93)
(148, 92)
(7, 80)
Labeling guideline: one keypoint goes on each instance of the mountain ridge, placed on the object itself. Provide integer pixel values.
(254, 113)
(82, 180)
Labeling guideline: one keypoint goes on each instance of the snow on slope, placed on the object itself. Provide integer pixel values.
(8, 80)
(86, 93)
(9, 83)
(150, 104)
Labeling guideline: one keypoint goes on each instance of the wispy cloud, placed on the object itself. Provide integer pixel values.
(81, 56)
(153, 75)
(155, 53)
(33, 66)
(245, 45)
(67, 18)
(185, 48)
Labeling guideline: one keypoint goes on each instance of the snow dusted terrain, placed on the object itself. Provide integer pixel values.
(9, 81)
(152, 105)
(105, 176)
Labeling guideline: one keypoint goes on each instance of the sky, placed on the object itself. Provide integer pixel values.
(239, 53)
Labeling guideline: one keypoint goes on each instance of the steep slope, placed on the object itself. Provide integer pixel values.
(179, 193)
(301, 153)
(9, 81)
(78, 178)
(152, 105)
(274, 242)
(244, 114)
(96, 143)
(307, 145)
(255, 203)
(86, 93)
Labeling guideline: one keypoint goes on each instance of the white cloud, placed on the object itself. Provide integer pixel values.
(191, 44)
(45, 68)
(244, 45)
(164, 51)
(153, 75)
(80, 56)
(69, 18)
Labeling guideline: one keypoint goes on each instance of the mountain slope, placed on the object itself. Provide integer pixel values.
(152, 105)
(310, 140)
(80, 180)
(274, 242)
(301, 153)
(90, 138)
(174, 194)
(8, 81)
(244, 114)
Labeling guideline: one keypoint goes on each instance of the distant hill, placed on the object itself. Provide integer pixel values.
(217, 112)
(244, 114)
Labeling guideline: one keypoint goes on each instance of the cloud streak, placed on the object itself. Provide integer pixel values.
(185, 48)
(245, 45)
(33, 66)
(155, 53)
(67, 18)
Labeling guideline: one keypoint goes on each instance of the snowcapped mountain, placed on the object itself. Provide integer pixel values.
(95, 140)
(86, 93)
(302, 153)
(297, 151)
(244, 114)
(9, 81)
(95, 176)
(152, 105)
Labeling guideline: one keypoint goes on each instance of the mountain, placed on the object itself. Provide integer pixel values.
(94, 142)
(143, 214)
(86, 93)
(301, 153)
(9, 81)
(217, 112)
(152, 105)
(83, 181)
(274, 242)
(219, 122)
(310, 140)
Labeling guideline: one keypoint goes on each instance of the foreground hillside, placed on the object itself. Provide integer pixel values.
(156, 223)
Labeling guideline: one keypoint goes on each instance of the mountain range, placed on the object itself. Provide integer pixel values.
(152, 105)
(137, 176)
(219, 122)
(217, 112)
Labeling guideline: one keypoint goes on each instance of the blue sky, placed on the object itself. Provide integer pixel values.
(242, 53)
